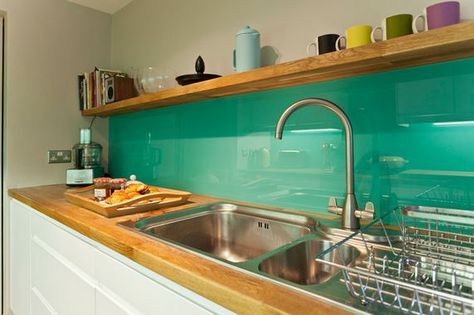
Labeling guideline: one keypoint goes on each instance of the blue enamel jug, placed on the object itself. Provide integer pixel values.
(247, 49)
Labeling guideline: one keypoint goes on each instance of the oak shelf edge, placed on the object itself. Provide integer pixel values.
(444, 44)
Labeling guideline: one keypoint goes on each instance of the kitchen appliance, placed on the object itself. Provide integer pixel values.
(247, 49)
(87, 157)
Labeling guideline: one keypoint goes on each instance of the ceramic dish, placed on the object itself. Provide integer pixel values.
(193, 78)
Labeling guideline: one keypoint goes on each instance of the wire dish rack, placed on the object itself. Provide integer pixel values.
(426, 265)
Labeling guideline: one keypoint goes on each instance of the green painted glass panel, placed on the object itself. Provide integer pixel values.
(413, 138)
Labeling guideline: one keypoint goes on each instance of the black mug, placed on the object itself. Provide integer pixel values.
(325, 44)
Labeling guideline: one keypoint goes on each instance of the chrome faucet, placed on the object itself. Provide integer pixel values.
(349, 211)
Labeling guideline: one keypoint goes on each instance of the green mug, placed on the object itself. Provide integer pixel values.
(393, 26)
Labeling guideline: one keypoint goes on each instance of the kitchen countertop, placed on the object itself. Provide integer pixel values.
(235, 290)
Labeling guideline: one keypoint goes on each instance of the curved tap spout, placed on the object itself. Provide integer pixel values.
(349, 220)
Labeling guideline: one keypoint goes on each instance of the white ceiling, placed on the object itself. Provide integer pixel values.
(107, 6)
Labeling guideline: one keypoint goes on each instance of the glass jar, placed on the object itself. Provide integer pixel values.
(101, 188)
(117, 184)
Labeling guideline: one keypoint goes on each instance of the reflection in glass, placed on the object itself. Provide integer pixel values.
(413, 142)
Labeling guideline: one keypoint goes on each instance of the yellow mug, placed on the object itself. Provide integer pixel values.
(357, 35)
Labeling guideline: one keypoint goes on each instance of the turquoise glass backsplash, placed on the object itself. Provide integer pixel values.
(413, 139)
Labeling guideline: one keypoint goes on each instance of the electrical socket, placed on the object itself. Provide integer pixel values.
(59, 156)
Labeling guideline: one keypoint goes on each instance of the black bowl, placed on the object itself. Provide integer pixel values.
(197, 77)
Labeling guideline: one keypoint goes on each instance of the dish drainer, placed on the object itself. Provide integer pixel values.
(426, 265)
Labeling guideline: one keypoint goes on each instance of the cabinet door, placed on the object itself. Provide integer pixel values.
(62, 269)
(19, 258)
(55, 270)
(39, 305)
(107, 304)
(142, 294)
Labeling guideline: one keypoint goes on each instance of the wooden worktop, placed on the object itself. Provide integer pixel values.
(235, 290)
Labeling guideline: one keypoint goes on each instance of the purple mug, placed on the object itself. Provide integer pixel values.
(438, 15)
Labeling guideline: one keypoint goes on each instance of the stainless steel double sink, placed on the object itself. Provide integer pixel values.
(277, 245)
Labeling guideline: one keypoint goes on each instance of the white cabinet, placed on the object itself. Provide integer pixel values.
(19, 258)
(55, 270)
(106, 304)
(62, 270)
(143, 295)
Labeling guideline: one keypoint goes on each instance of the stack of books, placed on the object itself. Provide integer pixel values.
(92, 87)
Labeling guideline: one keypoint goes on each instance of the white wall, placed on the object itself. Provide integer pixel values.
(48, 43)
(172, 33)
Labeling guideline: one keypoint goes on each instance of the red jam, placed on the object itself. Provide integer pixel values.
(101, 188)
(117, 184)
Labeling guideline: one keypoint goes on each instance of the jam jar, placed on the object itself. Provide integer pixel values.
(117, 184)
(101, 188)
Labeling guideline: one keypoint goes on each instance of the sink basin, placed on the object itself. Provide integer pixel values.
(230, 232)
(273, 245)
(297, 264)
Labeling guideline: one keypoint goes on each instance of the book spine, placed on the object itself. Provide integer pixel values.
(80, 80)
(102, 87)
(86, 90)
(94, 91)
(89, 90)
(97, 87)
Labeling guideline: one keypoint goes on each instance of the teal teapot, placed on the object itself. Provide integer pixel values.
(247, 49)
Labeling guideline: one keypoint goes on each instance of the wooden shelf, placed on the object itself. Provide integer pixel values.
(448, 43)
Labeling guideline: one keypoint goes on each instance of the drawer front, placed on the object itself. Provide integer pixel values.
(59, 271)
(142, 294)
(107, 304)
(39, 304)
(57, 284)
(76, 251)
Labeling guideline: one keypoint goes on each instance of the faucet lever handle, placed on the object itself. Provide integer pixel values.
(333, 207)
(367, 213)
(369, 207)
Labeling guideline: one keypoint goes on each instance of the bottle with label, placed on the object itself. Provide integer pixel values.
(101, 188)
